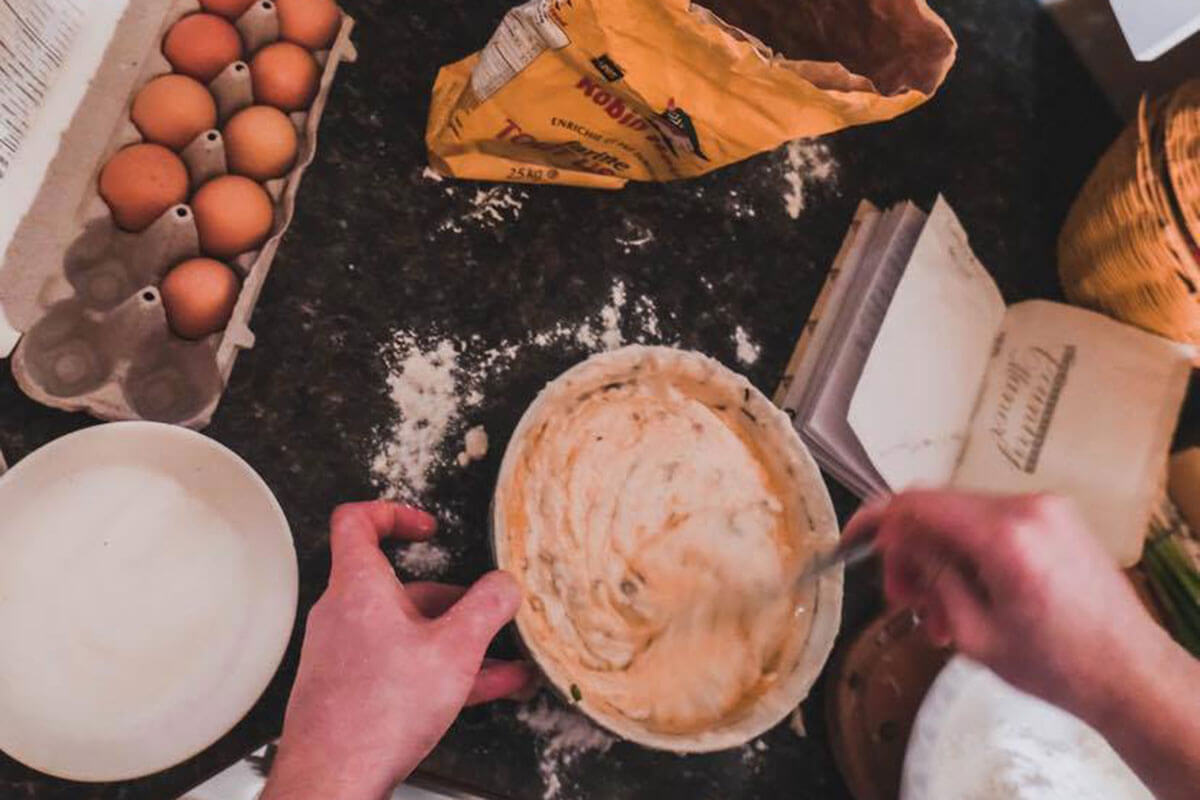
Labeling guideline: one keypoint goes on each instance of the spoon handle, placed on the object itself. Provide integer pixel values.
(846, 553)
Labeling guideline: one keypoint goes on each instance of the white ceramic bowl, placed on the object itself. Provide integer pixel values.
(745, 413)
(148, 589)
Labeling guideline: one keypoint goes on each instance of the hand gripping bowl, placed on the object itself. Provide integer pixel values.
(654, 507)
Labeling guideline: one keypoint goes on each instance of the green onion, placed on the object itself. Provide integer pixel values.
(1162, 584)
(1174, 576)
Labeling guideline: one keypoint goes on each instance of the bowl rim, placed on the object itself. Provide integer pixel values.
(827, 599)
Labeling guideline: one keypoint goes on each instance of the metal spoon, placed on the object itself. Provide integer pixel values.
(846, 553)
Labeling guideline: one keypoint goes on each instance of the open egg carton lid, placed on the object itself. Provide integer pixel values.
(81, 293)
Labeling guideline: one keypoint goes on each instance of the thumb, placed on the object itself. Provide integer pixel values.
(486, 608)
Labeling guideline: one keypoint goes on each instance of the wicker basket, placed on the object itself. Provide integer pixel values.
(1181, 149)
(1127, 247)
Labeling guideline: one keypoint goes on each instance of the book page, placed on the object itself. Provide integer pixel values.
(797, 376)
(50, 50)
(881, 265)
(912, 406)
(36, 36)
(806, 373)
(1081, 405)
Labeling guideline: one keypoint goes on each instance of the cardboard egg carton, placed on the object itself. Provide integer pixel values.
(84, 293)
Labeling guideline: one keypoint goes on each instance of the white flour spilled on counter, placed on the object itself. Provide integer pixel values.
(635, 237)
(754, 754)
(487, 209)
(747, 349)
(806, 163)
(563, 736)
(475, 446)
(610, 337)
(435, 382)
(739, 206)
(422, 560)
(424, 388)
(606, 331)
(490, 207)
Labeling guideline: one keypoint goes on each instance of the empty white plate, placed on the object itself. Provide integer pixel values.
(148, 589)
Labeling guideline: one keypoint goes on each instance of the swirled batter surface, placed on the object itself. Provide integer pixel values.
(655, 545)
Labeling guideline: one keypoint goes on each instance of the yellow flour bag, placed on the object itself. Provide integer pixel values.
(600, 92)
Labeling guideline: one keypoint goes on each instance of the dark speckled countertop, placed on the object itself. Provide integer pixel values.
(374, 249)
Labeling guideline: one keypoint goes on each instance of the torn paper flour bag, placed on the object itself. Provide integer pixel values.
(600, 92)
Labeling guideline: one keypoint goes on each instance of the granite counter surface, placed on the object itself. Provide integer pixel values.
(377, 250)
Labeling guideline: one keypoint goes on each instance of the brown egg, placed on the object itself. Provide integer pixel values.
(199, 295)
(142, 181)
(172, 110)
(201, 45)
(284, 75)
(233, 215)
(309, 23)
(260, 143)
(230, 9)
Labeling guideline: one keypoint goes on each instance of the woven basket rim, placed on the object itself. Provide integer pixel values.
(1125, 249)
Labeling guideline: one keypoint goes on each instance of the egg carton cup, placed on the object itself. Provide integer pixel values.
(84, 292)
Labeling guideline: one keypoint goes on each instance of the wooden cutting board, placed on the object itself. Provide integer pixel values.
(880, 679)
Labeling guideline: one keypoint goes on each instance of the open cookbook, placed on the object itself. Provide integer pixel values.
(51, 53)
(912, 372)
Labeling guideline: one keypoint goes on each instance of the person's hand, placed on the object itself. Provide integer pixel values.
(1016, 582)
(1020, 584)
(385, 668)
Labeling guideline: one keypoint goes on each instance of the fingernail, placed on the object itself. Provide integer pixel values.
(938, 636)
(427, 523)
(423, 523)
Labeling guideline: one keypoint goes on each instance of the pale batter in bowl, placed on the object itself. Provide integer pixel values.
(654, 507)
